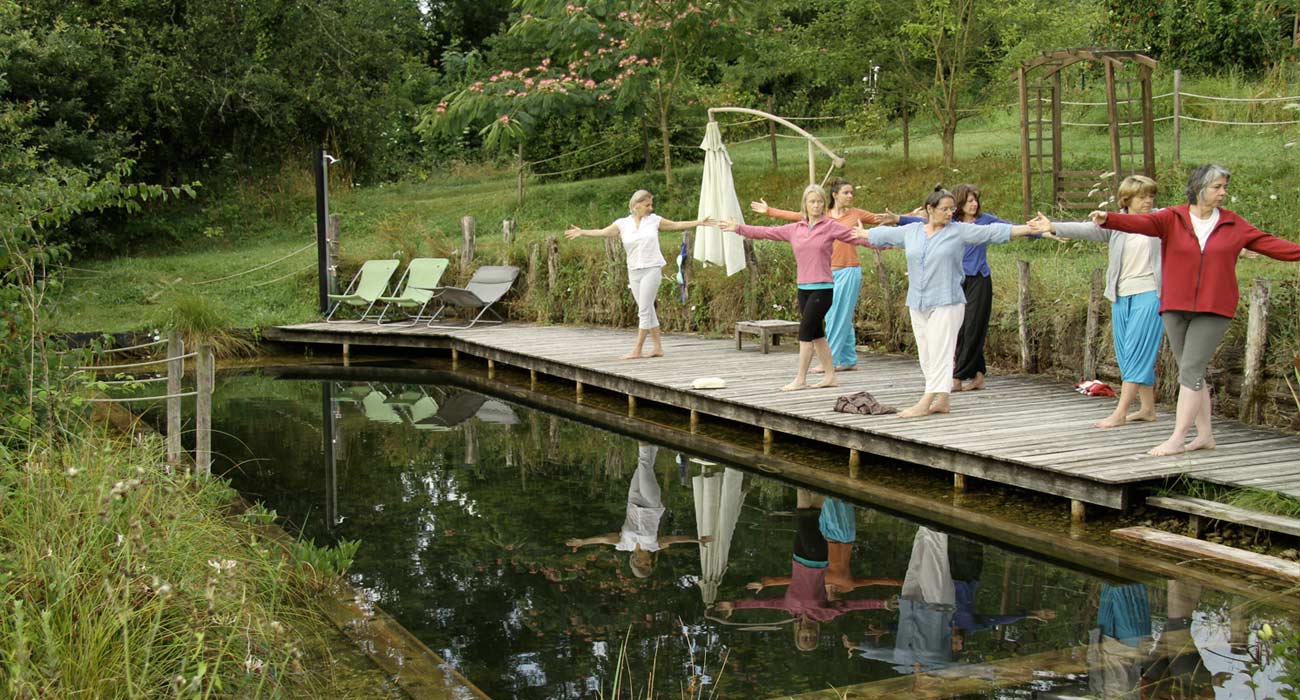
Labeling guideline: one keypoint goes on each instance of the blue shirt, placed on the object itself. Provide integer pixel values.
(934, 263)
(975, 260)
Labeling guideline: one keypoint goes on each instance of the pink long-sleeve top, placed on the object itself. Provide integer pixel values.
(806, 596)
(813, 245)
(842, 254)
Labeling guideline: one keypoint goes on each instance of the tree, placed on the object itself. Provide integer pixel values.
(608, 55)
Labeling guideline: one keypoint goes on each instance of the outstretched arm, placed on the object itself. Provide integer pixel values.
(683, 539)
(1272, 246)
(575, 543)
(1086, 231)
(771, 233)
(761, 207)
(766, 581)
(669, 225)
(1154, 224)
(608, 232)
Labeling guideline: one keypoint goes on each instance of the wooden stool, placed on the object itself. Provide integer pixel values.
(765, 330)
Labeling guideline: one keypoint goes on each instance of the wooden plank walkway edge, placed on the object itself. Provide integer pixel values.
(1024, 431)
(1200, 549)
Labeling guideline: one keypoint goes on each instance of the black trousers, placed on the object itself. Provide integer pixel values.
(969, 360)
(813, 305)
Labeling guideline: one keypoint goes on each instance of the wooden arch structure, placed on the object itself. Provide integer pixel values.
(1041, 142)
(814, 144)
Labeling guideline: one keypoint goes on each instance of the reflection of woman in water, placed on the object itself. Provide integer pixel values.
(1120, 642)
(640, 534)
(807, 597)
(839, 527)
(935, 609)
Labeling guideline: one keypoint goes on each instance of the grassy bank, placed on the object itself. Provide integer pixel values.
(123, 579)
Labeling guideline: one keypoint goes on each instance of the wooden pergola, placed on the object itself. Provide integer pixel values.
(1071, 189)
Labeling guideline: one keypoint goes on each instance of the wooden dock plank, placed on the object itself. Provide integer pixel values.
(1192, 547)
(1028, 431)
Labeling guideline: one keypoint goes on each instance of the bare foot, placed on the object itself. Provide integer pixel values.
(794, 386)
(1166, 448)
(975, 384)
(815, 370)
(631, 356)
(826, 383)
(940, 405)
(1141, 417)
(656, 353)
(846, 368)
(915, 412)
(1111, 421)
(956, 384)
(1200, 444)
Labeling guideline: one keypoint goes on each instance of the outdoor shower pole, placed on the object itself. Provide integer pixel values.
(328, 443)
(322, 242)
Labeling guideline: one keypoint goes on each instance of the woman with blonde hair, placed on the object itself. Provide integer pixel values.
(1133, 288)
(639, 232)
(811, 238)
(846, 270)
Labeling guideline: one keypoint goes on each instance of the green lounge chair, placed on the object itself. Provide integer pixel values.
(421, 279)
(370, 283)
(486, 287)
(376, 409)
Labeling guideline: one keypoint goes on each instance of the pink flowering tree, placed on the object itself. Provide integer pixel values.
(637, 56)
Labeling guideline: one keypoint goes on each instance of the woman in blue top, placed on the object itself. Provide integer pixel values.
(934, 292)
(977, 285)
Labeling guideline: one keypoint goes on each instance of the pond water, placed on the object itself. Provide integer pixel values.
(499, 536)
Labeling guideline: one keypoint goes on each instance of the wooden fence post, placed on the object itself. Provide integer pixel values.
(467, 225)
(552, 262)
(1178, 114)
(534, 262)
(508, 231)
(1256, 341)
(886, 297)
(175, 370)
(771, 128)
(204, 371)
(1026, 357)
(1094, 324)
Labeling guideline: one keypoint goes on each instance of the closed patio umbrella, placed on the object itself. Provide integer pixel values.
(718, 201)
(718, 500)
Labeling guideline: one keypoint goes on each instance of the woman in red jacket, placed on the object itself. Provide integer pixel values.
(1199, 245)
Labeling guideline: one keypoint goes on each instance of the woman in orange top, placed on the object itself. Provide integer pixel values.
(846, 269)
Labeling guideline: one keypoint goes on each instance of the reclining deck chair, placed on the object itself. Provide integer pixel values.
(370, 283)
(485, 288)
(421, 280)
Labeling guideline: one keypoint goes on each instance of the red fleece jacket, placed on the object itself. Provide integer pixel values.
(1202, 281)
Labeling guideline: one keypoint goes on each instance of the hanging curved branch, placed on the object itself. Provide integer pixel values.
(813, 140)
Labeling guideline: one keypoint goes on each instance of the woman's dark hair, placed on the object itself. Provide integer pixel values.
(960, 194)
(1201, 179)
(933, 199)
(836, 185)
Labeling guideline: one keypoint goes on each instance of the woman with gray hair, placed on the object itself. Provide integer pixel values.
(1199, 244)
(639, 233)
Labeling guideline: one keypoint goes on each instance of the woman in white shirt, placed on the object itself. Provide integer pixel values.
(639, 233)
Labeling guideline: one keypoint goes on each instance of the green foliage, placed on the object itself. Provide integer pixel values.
(204, 320)
(1202, 36)
(327, 564)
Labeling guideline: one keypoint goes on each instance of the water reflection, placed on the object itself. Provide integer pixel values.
(488, 531)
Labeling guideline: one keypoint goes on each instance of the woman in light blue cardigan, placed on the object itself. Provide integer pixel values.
(1133, 288)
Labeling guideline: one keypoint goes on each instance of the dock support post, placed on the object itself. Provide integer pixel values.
(695, 421)
(631, 405)
(1196, 526)
(767, 440)
(577, 391)
(455, 358)
(532, 380)
(492, 369)
(855, 462)
(347, 354)
(958, 482)
(1078, 511)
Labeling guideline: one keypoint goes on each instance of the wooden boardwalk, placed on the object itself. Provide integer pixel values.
(1026, 431)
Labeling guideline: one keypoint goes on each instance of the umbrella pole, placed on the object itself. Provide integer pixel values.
(812, 164)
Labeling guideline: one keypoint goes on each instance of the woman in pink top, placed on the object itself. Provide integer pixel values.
(812, 239)
(639, 233)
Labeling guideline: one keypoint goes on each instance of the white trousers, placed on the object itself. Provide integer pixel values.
(644, 283)
(936, 340)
